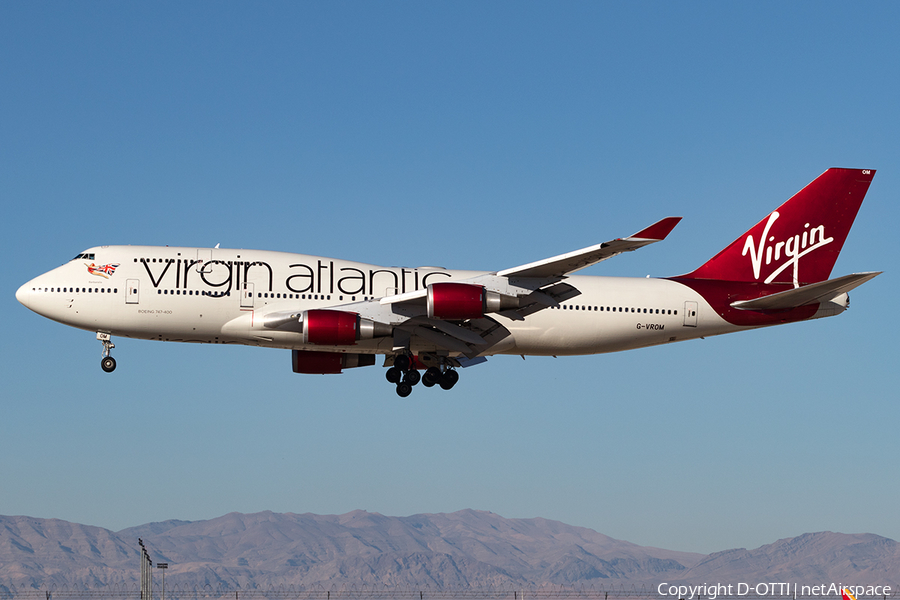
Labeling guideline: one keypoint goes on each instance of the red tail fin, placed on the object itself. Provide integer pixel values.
(798, 242)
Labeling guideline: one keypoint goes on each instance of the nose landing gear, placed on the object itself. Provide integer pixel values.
(107, 363)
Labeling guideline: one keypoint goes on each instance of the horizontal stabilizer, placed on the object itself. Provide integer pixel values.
(822, 291)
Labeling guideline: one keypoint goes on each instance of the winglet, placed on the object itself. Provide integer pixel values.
(657, 231)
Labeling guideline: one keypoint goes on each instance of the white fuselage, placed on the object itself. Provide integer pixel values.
(221, 296)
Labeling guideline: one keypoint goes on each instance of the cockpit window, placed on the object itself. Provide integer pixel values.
(84, 257)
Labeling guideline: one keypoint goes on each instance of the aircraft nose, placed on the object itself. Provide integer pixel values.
(23, 295)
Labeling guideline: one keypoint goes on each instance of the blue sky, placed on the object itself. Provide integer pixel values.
(465, 135)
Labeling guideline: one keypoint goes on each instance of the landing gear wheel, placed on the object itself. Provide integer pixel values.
(431, 377)
(393, 375)
(404, 389)
(403, 362)
(107, 363)
(449, 379)
(412, 377)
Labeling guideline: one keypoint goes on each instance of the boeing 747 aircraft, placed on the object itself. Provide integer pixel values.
(335, 314)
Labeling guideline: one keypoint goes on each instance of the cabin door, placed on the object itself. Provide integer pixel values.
(132, 291)
(690, 314)
(247, 295)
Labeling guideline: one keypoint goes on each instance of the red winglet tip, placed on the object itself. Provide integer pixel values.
(659, 230)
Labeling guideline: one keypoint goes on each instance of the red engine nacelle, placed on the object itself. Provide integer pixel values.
(330, 327)
(455, 301)
(328, 363)
(339, 328)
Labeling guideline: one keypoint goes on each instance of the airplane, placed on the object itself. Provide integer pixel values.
(336, 314)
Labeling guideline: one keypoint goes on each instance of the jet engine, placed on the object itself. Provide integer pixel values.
(328, 363)
(461, 301)
(339, 328)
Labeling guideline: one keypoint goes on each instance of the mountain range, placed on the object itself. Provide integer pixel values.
(465, 549)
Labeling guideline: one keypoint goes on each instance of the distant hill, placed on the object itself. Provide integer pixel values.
(465, 549)
(812, 558)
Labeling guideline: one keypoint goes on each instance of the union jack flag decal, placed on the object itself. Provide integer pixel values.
(104, 271)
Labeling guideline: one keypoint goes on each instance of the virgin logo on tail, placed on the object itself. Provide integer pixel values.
(791, 250)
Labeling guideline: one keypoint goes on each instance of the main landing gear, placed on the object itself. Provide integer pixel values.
(405, 375)
(107, 363)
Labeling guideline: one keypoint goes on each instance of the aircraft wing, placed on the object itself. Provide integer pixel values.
(822, 291)
(562, 265)
(553, 269)
(531, 287)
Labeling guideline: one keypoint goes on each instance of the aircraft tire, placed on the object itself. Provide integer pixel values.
(404, 389)
(402, 362)
(449, 379)
(393, 375)
(412, 377)
(108, 364)
(431, 377)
